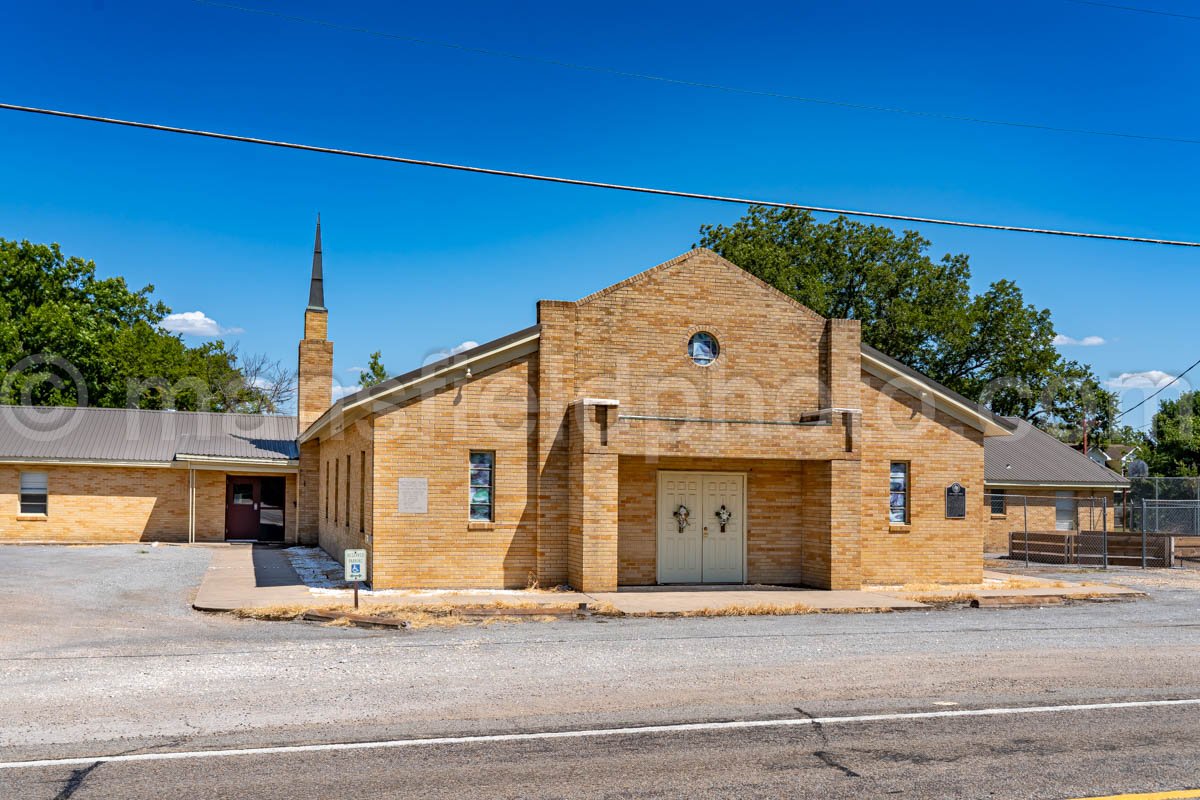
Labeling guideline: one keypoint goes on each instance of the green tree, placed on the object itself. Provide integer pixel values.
(67, 336)
(375, 373)
(991, 346)
(1175, 437)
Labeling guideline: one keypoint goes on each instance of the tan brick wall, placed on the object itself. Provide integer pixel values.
(339, 528)
(432, 438)
(314, 383)
(941, 451)
(123, 504)
(1034, 506)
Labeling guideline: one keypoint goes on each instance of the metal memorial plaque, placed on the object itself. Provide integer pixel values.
(956, 501)
(413, 495)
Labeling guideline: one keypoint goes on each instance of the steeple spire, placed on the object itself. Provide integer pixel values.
(316, 289)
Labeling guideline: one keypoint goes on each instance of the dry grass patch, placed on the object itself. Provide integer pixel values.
(416, 615)
(760, 610)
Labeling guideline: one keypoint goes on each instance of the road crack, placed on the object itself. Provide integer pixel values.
(824, 756)
(78, 776)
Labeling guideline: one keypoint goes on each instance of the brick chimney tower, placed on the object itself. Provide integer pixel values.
(314, 391)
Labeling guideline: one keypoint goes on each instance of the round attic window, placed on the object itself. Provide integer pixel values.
(703, 348)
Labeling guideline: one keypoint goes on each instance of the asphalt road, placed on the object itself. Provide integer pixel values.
(99, 655)
(1052, 755)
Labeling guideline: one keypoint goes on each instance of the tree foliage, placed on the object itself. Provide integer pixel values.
(68, 337)
(375, 372)
(1173, 447)
(991, 346)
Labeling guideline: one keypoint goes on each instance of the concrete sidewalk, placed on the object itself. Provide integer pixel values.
(245, 576)
(248, 576)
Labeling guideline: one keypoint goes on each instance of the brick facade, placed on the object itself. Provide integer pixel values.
(581, 427)
(123, 504)
(940, 451)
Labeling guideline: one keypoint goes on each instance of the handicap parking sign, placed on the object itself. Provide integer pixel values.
(356, 565)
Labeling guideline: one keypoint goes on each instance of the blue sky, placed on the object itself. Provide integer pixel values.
(420, 260)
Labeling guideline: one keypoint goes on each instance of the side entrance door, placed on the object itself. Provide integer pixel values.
(241, 507)
(701, 527)
(254, 507)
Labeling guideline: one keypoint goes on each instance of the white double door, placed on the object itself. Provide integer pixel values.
(701, 527)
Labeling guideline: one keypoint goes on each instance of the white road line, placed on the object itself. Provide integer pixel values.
(591, 732)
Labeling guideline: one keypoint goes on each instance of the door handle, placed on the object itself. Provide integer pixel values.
(706, 531)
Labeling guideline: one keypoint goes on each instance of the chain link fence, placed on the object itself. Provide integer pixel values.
(1156, 524)
(1051, 529)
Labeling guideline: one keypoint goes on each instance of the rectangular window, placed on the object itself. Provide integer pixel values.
(327, 490)
(362, 492)
(1064, 511)
(347, 490)
(336, 480)
(483, 483)
(898, 493)
(999, 503)
(35, 491)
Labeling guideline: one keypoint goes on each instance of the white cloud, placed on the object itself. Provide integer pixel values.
(1149, 379)
(356, 370)
(340, 391)
(438, 355)
(1086, 341)
(195, 323)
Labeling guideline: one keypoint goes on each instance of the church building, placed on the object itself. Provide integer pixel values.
(688, 425)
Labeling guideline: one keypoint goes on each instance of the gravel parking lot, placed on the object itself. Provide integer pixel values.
(99, 651)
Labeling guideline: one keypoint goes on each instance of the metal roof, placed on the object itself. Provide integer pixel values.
(135, 435)
(1032, 456)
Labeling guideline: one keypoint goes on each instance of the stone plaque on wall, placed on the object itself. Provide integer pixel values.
(956, 501)
(413, 495)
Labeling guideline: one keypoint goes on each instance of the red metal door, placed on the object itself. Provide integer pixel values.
(242, 502)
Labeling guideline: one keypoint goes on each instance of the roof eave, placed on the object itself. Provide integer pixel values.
(988, 423)
(486, 356)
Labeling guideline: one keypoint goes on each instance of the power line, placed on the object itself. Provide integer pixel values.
(1124, 8)
(643, 76)
(1155, 392)
(742, 201)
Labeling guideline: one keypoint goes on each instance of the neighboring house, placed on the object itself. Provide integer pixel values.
(114, 474)
(1037, 483)
(688, 425)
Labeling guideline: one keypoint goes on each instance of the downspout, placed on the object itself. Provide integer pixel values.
(191, 505)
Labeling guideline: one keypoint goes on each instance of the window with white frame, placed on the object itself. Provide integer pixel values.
(482, 486)
(898, 493)
(35, 491)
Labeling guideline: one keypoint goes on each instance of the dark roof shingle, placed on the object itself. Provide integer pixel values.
(1030, 455)
(126, 434)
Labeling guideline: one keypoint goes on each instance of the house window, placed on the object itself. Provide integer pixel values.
(999, 503)
(326, 490)
(34, 492)
(898, 493)
(362, 492)
(703, 348)
(483, 477)
(337, 478)
(347, 490)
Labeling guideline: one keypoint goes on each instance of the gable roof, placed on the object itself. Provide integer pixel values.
(741, 273)
(1033, 457)
(979, 416)
(128, 435)
(397, 389)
